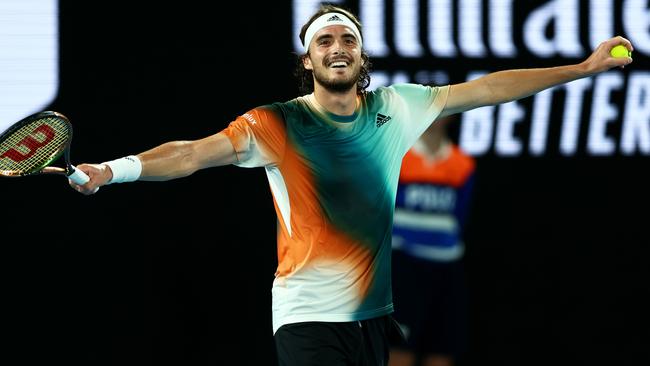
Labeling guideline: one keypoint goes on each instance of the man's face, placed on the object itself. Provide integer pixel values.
(334, 58)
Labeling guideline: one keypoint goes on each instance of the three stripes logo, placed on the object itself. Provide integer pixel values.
(334, 18)
(381, 119)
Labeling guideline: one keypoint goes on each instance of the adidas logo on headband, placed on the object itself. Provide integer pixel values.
(333, 18)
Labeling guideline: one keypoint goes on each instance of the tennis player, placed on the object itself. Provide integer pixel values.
(332, 158)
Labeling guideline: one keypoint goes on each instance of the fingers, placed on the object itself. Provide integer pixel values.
(96, 173)
(613, 42)
(86, 189)
(621, 40)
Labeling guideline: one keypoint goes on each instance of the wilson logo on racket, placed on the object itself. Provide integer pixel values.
(39, 137)
(31, 146)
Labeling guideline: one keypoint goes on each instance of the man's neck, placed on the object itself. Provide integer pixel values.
(434, 145)
(342, 104)
(433, 141)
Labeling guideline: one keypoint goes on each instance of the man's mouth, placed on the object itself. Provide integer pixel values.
(338, 64)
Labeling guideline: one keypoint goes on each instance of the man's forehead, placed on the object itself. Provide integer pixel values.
(334, 29)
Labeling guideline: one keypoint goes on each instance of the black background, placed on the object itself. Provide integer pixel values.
(180, 272)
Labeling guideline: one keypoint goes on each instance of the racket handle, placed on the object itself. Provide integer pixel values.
(78, 176)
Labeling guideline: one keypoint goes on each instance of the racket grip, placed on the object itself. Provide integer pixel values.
(78, 176)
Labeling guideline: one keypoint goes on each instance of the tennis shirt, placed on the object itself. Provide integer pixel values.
(334, 181)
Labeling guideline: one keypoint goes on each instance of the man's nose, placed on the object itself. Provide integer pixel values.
(338, 48)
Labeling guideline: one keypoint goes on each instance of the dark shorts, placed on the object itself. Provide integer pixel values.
(431, 305)
(357, 343)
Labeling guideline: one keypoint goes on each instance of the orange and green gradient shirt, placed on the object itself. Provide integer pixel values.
(334, 180)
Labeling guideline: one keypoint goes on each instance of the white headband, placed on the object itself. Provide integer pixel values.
(326, 20)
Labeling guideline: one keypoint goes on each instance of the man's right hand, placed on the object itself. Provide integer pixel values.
(99, 174)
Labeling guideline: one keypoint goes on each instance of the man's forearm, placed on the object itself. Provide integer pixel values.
(167, 161)
(509, 85)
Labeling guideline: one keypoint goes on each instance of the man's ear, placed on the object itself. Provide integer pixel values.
(306, 62)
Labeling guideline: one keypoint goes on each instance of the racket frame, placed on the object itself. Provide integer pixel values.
(64, 149)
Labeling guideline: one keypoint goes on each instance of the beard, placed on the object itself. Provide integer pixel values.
(336, 85)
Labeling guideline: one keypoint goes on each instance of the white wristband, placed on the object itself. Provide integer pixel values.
(126, 169)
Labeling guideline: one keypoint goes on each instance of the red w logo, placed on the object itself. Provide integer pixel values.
(43, 132)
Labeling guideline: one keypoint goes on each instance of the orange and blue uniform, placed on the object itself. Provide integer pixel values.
(432, 203)
(334, 180)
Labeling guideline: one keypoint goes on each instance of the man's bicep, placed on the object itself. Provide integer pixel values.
(215, 150)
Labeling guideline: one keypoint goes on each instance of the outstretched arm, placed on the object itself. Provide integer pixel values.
(168, 161)
(181, 158)
(505, 86)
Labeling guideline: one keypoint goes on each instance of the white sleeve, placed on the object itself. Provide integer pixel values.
(420, 105)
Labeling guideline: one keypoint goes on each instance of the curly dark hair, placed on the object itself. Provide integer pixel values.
(306, 77)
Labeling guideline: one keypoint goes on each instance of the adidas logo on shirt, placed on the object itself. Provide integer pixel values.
(381, 119)
(334, 18)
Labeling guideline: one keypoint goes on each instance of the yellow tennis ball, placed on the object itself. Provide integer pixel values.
(620, 51)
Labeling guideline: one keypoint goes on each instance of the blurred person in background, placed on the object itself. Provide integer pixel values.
(429, 287)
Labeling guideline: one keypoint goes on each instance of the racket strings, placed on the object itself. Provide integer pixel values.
(33, 146)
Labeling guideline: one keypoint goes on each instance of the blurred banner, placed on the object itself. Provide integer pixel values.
(29, 63)
(445, 41)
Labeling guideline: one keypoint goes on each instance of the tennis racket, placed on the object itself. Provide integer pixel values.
(31, 145)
